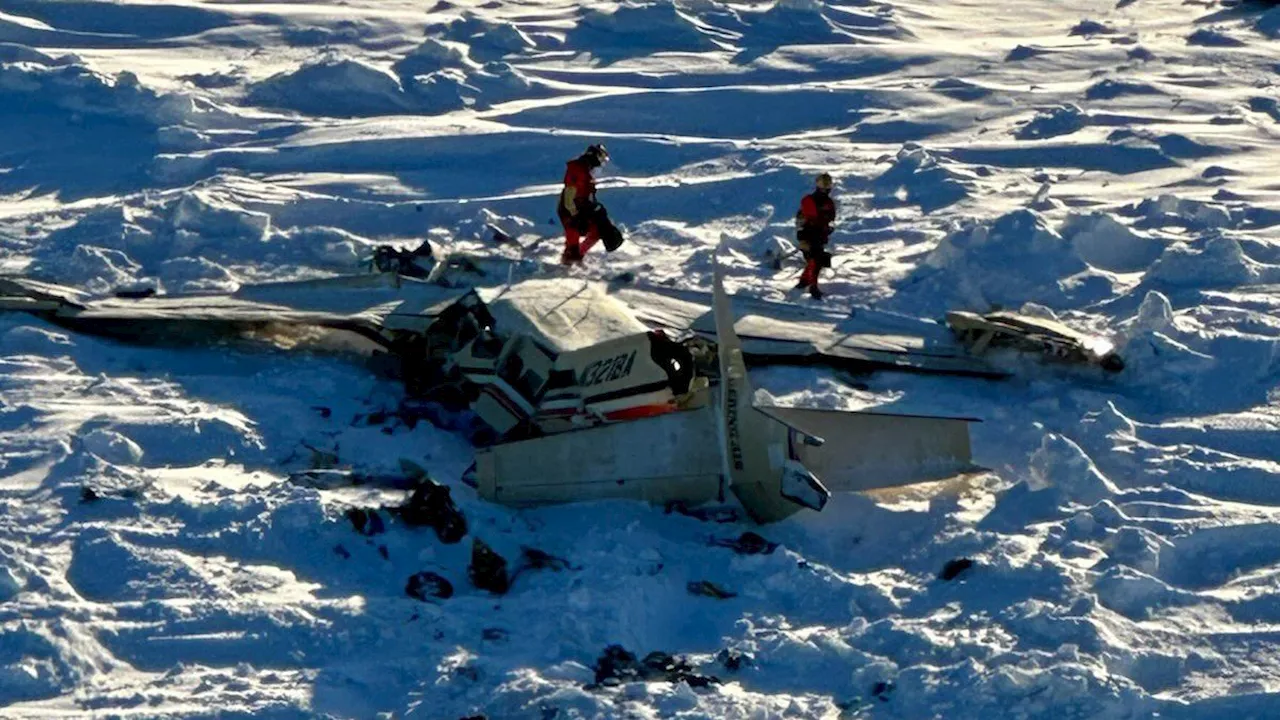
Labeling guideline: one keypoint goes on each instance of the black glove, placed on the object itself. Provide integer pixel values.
(586, 214)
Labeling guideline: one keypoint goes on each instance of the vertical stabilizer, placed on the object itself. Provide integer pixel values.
(756, 448)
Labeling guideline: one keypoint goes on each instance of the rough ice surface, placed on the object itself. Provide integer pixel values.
(333, 86)
(1109, 165)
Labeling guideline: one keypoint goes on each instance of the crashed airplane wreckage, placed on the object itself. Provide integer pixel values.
(591, 392)
(1049, 338)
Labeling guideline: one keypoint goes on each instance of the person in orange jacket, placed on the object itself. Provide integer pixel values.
(813, 229)
(578, 210)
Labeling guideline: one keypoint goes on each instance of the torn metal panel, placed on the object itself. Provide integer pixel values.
(663, 459)
(1033, 334)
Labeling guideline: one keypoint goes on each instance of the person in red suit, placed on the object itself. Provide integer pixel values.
(578, 210)
(813, 229)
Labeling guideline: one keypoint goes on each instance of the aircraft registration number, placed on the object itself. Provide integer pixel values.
(608, 370)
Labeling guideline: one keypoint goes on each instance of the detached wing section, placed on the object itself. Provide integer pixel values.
(366, 304)
(780, 333)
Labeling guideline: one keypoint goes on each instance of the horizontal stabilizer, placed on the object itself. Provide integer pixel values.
(809, 438)
(869, 450)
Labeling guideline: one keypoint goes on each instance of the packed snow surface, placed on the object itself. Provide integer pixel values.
(1108, 164)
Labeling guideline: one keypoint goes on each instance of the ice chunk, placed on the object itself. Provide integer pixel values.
(179, 138)
(504, 37)
(1091, 27)
(1133, 593)
(1103, 242)
(917, 177)
(332, 86)
(208, 216)
(1111, 423)
(635, 28)
(1173, 210)
(1110, 89)
(1219, 262)
(1015, 259)
(112, 447)
(95, 269)
(1062, 120)
(1155, 314)
(195, 274)
(501, 77)
(72, 87)
(328, 245)
(10, 586)
(486, 39)
(1061, 464)
(442, 90)
(1039, 311)
(1134, 547)
(432, 55)
(15, 53)
(1213, 37)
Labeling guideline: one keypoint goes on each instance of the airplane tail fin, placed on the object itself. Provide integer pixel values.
(758, 451)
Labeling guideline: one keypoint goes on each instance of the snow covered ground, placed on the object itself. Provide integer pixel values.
(1113, 165)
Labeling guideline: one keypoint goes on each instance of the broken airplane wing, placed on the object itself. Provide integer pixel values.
(379, 303)
(365, 304)
(780, 333)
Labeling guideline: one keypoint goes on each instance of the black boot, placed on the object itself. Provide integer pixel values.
(815, 292)
(571, 256)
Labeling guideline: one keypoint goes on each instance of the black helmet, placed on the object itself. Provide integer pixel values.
(598, 153)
